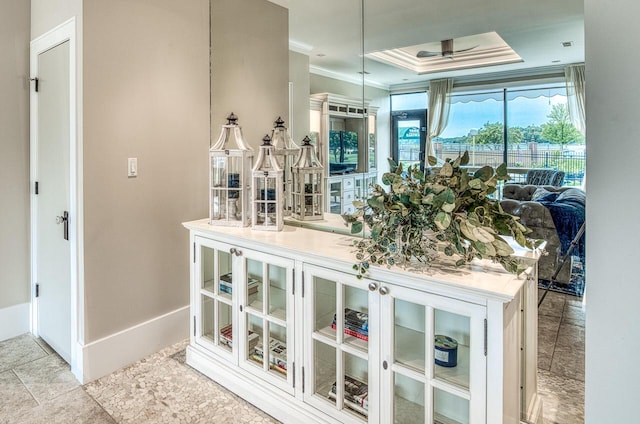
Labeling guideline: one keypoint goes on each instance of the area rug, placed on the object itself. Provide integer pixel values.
(575, 287)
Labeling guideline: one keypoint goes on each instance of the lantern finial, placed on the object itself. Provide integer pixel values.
(232, 119)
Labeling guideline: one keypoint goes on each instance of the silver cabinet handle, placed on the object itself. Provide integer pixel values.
(373, 286)
(383, 290)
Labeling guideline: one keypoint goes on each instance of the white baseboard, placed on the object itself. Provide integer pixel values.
(15, 321)
(534, 414)
(109, 354)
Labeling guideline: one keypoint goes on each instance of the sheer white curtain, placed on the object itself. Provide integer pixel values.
(438, 111)
(574, 78)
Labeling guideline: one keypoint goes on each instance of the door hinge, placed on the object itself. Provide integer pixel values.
(194, 252)
(302, 283)
(293, 286)
(37, 85)
(485, 337)
(37, 189)
(302, 379)
(37, 290)
(294, 374)
(194, 326)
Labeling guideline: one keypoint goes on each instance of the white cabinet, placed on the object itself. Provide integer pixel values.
(242, 301)
(344, 132)
(359, 350)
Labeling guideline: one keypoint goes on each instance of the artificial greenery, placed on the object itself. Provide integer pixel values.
(424, 216)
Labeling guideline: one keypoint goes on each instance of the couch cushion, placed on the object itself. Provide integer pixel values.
(543, 195)
(572, 195)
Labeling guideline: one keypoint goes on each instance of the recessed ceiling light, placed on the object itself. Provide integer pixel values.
(567, 43)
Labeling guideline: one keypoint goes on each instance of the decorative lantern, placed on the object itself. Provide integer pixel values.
(268, 190)
(307, 184)
(286, 151)
(230, 177)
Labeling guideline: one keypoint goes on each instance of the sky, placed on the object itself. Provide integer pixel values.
(522, 112)
(463, 116)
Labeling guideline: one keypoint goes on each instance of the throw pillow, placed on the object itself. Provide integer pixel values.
(544, 195)
(572, 195)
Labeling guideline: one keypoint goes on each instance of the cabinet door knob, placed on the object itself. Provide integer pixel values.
(385, 365)
(235, 251)
(373, 286)
(383, 290)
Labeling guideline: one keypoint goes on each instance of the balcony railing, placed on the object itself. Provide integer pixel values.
(521, 158)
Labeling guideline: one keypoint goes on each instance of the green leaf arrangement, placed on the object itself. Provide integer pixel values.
(447, 213)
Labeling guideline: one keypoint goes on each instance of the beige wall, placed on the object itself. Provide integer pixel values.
(14, 152)
(249, 61)
(47, 14)
(299, 77)
(146, 95)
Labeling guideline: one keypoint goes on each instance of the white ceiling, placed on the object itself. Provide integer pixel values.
(330, 32)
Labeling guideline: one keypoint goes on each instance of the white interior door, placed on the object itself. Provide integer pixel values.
(53, 266)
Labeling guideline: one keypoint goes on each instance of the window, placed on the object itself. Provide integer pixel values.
(539, 133)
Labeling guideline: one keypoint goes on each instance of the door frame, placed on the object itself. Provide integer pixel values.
(56, 36)
(418, 114)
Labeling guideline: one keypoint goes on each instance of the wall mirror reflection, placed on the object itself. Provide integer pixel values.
(440, 78)
(436, 78)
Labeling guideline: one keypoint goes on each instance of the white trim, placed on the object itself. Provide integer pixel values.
(108, 354)
(15, 321)
(58, 35)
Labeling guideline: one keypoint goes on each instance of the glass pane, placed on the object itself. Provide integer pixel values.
(409, 334)
(475, 125)
(278, 350)
(225, 286)
(265, 200)
(356, 386)
(356, 317)
(207, 270)
(225, 325)
(255, 287)
(451, 347)
(335, 197)
(408, 400)
(255, 347)
(324, 360)
(372, 142)
(277, 291)
(449, 409)
(541, 134)
(408, 142)
(207, 323)
(324, 298)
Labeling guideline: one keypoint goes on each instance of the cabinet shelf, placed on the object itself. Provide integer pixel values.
(330, 333)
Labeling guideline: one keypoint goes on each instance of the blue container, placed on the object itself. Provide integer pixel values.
(446, 351)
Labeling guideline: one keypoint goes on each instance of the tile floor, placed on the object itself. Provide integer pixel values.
(36, 386)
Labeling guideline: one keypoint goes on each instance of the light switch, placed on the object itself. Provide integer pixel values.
(132, 167)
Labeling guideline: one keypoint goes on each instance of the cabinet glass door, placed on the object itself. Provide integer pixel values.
(340, 312)
(214, 272)
(266, 310)
(434, 366)
(334, 196)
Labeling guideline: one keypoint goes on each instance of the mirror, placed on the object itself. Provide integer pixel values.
(513, 45)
